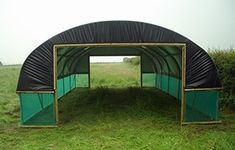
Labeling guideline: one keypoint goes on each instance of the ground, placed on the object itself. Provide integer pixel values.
(120, 117)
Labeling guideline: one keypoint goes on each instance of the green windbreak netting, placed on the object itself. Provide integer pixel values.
(148, 79)
(65, 85)
(37, 109)
(82, 80)
(201, 106)
(170, 85)
(175, 87)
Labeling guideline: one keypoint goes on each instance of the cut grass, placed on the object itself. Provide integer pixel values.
(111, 118)
(129, 102)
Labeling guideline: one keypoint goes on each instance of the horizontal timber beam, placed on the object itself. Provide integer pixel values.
(204, 89)
(35, 91)
(118, 44)
(38, 126)
(201, 123)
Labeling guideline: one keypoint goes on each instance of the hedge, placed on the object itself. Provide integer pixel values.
(225, 63)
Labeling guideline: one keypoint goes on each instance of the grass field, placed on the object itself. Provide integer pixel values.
(115, 75)
(110, 118)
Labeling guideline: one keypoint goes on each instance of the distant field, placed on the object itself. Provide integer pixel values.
(118, 117)
(116, 75)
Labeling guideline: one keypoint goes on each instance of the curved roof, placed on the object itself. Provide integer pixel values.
(37, 70)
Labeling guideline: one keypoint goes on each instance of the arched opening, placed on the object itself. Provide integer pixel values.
(160, 70)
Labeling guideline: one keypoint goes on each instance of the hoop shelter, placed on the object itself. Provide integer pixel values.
(169, 62)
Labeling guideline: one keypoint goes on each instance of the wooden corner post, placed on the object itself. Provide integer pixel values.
(183, 78)
(55, 83)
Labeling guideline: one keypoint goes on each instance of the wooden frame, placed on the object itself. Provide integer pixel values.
(141, 74)
(204, 89)
(182, 45)
(89, 72)
(118, 44)
(39, 126)
(55, 84)
(183, 53)
(183, 80)
(184, 89)
(45, 92)
(201, 123)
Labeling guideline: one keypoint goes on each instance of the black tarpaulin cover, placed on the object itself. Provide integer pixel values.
(37, 70)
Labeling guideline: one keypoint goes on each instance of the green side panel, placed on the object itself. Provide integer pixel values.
(148, 79)
(165, 83)
(175, 87)
(60, 85)
(82, 80)
(67, 84)
(158, 81)
(37, 109)
(73, 81)
(170, 85)
(201, 106)
(30, 105)
(48, 99)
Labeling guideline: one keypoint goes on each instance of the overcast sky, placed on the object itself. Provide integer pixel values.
(25, 24)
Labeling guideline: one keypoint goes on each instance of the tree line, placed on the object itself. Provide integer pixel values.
(132, 60)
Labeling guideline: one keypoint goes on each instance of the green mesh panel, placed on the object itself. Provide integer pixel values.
(158, 81)
(37, 109)
(165, 79)
(60, 89)
(170, 85)
(201, 106)
(82, 80)
(175, 87)
(65, 85)
(148, 79)
(73, 81)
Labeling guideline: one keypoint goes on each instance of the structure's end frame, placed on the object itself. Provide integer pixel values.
(201, 123)
(38, 126)
(183, 78)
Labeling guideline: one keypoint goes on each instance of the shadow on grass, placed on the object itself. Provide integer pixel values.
(98, 104)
